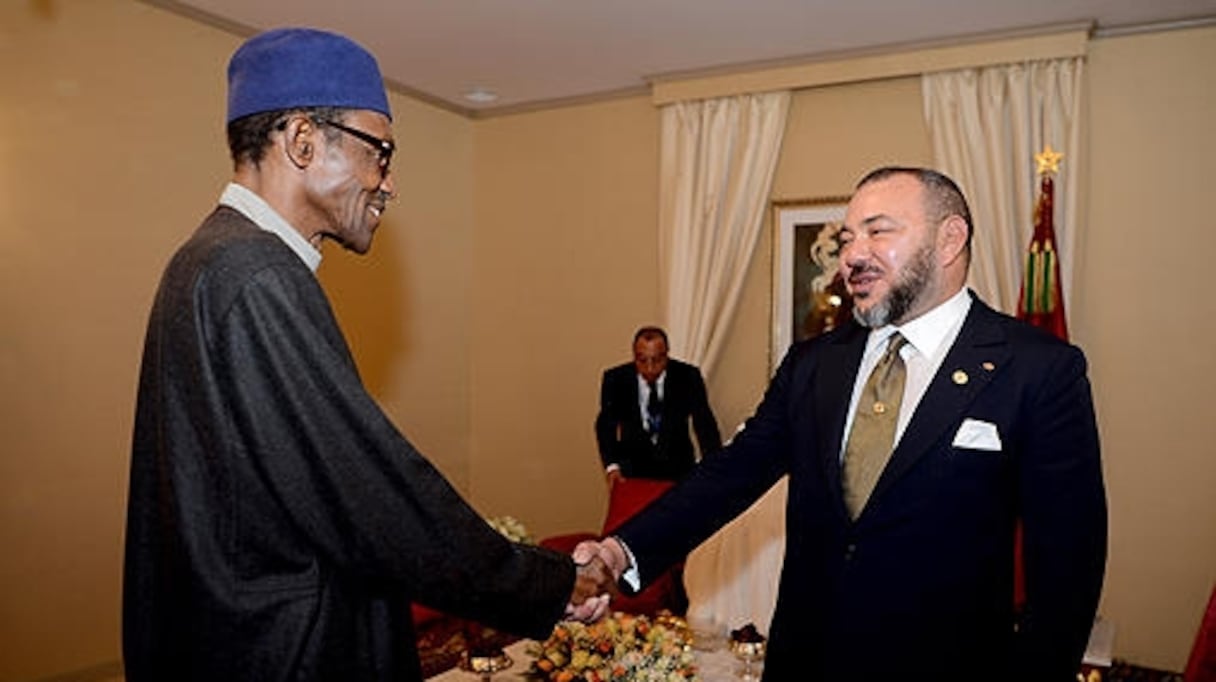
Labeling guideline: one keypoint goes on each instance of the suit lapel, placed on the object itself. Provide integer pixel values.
(979, 353)
(634, 393)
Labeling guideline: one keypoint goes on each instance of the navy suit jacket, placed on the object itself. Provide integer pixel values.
(919, 586)
(623, 439)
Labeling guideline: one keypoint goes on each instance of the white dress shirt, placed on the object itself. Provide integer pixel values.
(644, 393)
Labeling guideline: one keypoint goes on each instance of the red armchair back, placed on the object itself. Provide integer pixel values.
(1201, 667)
(628, 497)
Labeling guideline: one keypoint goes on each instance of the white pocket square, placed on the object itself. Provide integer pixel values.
(977, 435)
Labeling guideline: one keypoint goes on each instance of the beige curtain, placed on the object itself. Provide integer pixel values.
(986, 125)
(716, 169)
(717, 161)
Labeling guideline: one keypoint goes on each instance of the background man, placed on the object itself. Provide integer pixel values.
(645, 406)
(278, 524)
(914, 437)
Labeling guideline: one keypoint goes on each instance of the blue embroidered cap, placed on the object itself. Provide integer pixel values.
(288, 68)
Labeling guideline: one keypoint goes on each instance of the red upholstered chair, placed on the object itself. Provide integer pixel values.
(1201, 666)
(423, 615)
(627, 498)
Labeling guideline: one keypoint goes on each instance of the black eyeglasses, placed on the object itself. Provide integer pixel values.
(384, 148)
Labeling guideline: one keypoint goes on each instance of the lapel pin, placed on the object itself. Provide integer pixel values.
(988, 366)
(960, 377)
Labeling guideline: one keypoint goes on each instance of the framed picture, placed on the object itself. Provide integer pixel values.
(808, 294)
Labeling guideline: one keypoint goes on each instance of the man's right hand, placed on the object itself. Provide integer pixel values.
(614, 476)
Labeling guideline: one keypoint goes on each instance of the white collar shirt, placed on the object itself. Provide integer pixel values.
(644, 392)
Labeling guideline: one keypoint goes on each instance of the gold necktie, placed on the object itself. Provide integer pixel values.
(873, 435)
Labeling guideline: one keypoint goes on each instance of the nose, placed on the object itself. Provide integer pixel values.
(387, 187)
(854, 251)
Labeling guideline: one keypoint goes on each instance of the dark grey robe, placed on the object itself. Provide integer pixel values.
(278, 524)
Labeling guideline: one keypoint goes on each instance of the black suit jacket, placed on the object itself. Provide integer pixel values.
(622, 435)
(920, 586)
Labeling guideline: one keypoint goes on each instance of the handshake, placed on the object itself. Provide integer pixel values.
(598, 567)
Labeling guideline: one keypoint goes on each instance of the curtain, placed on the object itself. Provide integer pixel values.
(717, 160)
(985, 126)
(732, 578)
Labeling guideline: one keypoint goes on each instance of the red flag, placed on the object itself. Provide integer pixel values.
(1041, 303)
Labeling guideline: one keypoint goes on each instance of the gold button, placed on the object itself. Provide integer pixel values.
(960, 377)
(988, 366)
(879, 408)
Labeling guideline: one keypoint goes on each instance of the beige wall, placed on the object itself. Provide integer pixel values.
(110, 149)
(512, 271)
(565, 272)
(1144, 312)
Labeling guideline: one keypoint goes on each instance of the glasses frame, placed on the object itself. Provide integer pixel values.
(384, 148)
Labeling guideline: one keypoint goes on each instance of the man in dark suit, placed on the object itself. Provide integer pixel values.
(902, 568)
(645, 406)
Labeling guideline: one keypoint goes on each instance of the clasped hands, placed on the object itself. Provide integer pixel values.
(598, 567)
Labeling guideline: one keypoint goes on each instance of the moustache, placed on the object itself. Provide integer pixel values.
(856, 272)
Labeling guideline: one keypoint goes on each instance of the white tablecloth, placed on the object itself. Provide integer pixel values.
(731, 579)
(712, 666)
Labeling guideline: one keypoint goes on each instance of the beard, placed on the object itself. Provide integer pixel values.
(909, 284)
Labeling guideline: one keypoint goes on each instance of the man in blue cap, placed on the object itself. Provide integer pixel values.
(278, 524)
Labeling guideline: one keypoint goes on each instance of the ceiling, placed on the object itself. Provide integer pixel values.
(539, 52)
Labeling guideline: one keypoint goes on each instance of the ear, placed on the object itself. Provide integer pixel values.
(951, 239)
(299, 141)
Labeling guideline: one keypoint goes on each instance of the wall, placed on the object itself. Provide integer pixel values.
(565, 272)
(111, 149)
(1145, 315)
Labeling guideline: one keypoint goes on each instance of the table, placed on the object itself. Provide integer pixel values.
(712, 666)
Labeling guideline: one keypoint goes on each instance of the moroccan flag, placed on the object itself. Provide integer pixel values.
(1041, 302)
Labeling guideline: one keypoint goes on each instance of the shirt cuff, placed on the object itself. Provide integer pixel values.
(631, 575)
(611, 468)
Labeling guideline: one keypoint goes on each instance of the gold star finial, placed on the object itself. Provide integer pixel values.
(1048, 161)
